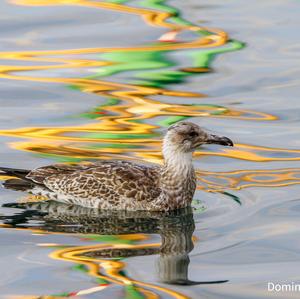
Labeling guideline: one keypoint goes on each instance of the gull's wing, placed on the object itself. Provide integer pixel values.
(110, 181)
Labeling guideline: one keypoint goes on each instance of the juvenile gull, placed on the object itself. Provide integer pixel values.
(123, 185)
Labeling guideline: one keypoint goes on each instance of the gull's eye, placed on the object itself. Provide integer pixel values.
(193, 134)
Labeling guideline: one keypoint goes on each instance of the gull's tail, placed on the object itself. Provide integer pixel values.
(18, 185)
(18, 181)
(14, 172)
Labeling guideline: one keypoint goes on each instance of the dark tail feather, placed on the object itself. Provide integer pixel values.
(18, 185)
(19, 173)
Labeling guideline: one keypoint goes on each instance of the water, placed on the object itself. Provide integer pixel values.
(88, 80)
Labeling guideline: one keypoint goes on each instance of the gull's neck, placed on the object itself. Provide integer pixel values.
(178, 162)
(178, 165)
(177, 176)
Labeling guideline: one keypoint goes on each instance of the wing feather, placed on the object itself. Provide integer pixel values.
(107, 180)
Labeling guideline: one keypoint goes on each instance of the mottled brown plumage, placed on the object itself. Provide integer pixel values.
(125, 185)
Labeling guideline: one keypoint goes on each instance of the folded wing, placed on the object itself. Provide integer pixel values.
(110, 181)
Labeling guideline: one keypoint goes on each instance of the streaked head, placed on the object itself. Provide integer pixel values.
(187, 137)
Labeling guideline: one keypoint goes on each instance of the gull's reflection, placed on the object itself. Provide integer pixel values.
(175, 229)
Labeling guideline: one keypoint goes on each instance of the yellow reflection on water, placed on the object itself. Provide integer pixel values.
(135, 104)
(121, 131)
(106, 270)
(120, 123)
(241, 179)
(112, 268)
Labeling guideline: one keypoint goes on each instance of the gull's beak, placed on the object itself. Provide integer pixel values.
(219, 140)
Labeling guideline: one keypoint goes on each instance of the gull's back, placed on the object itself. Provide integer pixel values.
(105, 185)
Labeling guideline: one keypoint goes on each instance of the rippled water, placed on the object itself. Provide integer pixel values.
(85, 80)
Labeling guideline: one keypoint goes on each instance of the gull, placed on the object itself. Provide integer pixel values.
(124, 185)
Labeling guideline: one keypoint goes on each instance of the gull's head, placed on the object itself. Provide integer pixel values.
(186, 137)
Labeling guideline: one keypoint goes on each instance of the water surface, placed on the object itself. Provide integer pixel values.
(87, 80)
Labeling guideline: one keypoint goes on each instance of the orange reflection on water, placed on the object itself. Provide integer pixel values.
(104, 269)
(152, 17)
(150, 152)
(112, 268)
(241, 179)
(136, 104)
